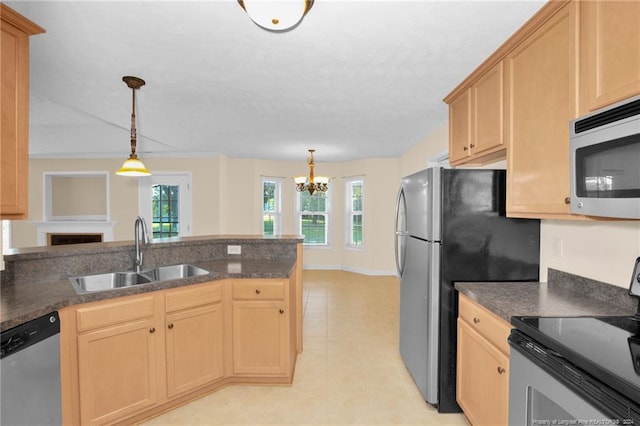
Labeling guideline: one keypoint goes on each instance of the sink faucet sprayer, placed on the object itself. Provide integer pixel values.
(140, 233)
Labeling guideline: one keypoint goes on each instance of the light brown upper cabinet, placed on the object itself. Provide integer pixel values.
(14, 147)
(609, 52)
(476, 124)
(541, 92)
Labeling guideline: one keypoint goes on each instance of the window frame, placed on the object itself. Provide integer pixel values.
(327, 220)
(145, 191)
(350, 212)
(277, 212)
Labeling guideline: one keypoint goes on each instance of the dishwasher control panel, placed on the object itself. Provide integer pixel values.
(28, 334)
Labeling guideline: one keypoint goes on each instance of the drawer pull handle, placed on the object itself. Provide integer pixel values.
(170, 326)
(258, 291)
(476, 320)
(152, 330)
(282, 311)
(501, 370)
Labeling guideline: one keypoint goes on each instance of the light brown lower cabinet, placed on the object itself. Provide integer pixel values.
(261, 339)
(129, 358)
(194, 336)
(482, 388)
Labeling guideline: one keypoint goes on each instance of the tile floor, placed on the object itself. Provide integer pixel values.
(350, 372)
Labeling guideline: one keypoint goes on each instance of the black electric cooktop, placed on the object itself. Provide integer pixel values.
(608, 348)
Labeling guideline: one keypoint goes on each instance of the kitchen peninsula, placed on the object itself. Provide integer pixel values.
(132, 352)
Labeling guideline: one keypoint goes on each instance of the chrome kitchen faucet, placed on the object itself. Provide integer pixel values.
(140, 233)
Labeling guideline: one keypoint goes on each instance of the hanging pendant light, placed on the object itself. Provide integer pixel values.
(276, 15)
(132, 165)
(311, 183)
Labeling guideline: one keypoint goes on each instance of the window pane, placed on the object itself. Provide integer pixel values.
(269, 198)
(356, 227)
(165, 208)
(268, 224)
(313, 203)
(314, 228)
(356, 196)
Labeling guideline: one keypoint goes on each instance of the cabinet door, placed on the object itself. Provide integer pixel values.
(460, 127)
(482, 388)
(195, 347)
(260, 338)
(488, 112)
(15, 125)
(541, 101)
(117, 371)
(610, 40)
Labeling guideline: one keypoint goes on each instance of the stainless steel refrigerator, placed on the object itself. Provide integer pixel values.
(451, 226)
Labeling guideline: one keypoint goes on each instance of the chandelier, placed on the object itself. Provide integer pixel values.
(311, 183)
(132, 165)
(276, 15)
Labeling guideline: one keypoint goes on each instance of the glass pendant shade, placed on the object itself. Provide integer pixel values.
(133, 167)
(276, 15)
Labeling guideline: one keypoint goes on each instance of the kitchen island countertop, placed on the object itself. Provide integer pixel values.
(24, 301)
(36, 280)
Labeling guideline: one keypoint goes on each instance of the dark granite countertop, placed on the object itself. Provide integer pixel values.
(561, 296)
(24, 301)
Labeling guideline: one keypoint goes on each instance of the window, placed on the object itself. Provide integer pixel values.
(165, 219)
(313, 218)
(271, 215)
(355, 205)
(165, 203)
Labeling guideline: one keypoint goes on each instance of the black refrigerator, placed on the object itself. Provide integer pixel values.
(451, 226)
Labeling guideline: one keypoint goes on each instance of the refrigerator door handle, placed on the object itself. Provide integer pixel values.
(399, 233)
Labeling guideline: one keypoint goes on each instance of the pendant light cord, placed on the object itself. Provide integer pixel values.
(133, 123)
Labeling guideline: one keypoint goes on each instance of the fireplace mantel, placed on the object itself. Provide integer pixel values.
(73, 227)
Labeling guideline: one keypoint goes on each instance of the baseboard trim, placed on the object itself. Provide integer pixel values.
(348, 269)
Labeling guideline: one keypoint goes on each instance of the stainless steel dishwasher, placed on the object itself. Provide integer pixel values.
(30, 373)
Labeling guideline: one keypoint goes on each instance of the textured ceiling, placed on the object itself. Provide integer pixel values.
(355, 79)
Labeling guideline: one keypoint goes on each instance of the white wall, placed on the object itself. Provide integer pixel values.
(603, 250)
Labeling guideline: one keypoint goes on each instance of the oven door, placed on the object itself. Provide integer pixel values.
(545, 388)
(538, 398)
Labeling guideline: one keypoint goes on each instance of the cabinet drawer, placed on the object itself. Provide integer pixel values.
(487, 324)
(192, 296)
(118, 311)
(259, 289)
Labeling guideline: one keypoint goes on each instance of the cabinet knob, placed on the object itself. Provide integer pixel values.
(501, 370)
(472, 146)
(567, 200)
(282, 311)
(152, 330)
(476, 320)
(465, 148)
(258, 291)
(170, 326)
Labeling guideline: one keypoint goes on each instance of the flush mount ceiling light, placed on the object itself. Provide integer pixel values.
(311, 184)
(276, 15)
(132, 165)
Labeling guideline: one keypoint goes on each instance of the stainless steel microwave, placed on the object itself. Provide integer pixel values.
(605, 161)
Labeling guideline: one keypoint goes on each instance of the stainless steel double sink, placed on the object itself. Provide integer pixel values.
(113, 280)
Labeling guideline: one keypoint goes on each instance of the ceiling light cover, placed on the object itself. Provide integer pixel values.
(276, 15)
(132, 165)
